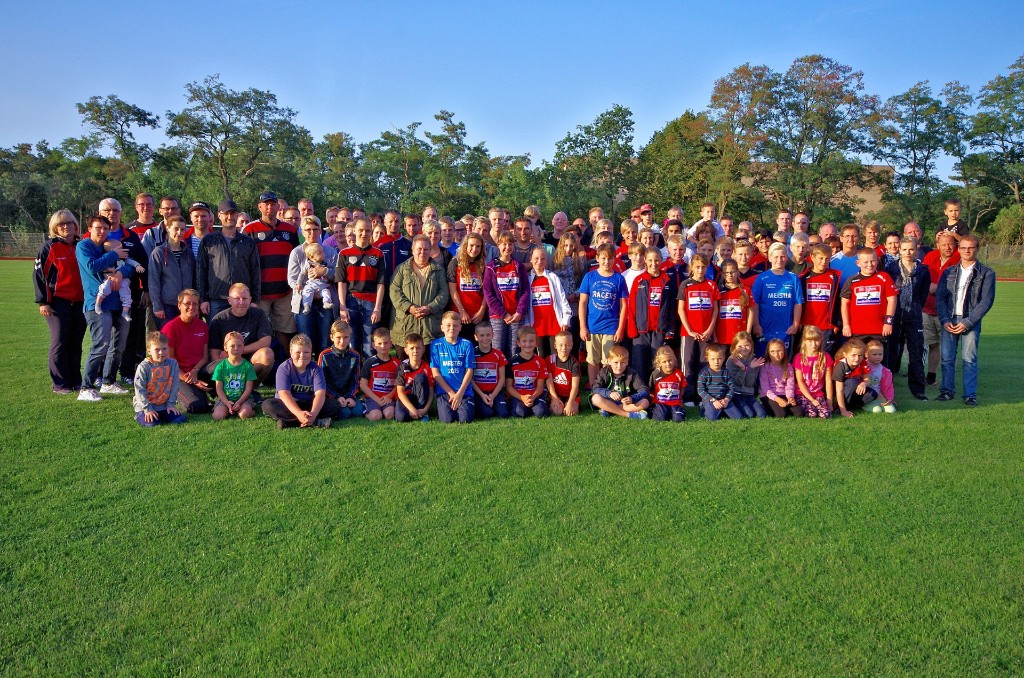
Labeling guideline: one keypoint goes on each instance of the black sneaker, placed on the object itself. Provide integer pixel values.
(971, 402)
(921, 396)
(944, 397)
(931, 379)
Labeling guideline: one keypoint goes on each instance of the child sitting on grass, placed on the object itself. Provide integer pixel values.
(745, 371)
(377, 378)
(452, 361)
(156, 385)
(619, 390)
(300, 389)
(341, 364)
(714, 387)
(564, 380)
(234, 379)
(851, 378)
(528, 376)
(414, 384)
(488, 376)
(813, 367)
(667, 384)
(778, 382)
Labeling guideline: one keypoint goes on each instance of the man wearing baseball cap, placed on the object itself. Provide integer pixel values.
(226, 257)
(227, 210)
(202, 225)
(275, 241)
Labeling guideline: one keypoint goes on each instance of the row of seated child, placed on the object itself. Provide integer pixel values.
(465, 382)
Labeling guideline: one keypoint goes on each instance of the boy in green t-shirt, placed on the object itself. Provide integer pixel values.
(235, 378)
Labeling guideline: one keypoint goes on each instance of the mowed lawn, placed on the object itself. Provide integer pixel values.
(882, 545)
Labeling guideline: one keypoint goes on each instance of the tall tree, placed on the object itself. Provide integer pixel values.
(391, 168)
(111, 120)
(998, 129)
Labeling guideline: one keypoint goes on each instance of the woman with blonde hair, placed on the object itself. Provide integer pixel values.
(58, 286)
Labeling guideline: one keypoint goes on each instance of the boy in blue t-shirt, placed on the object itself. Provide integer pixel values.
(452, 360)
(603, 297)
(778, 301)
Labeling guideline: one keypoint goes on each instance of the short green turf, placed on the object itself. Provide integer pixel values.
(882, 545)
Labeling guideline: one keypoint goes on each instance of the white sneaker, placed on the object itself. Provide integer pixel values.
(89, 395)
(113, 389)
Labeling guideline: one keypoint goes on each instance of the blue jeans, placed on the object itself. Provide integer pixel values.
(108, 332)
(749, 405)
(216, 306)
(968, 342)
(359, 312)
(316, 325)
(506, 337)
(712, 414)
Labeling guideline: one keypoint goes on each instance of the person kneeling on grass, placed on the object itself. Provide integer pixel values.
(453, 361)
(619, 390)
(301, 392)
(564, 381)
(414, 383)
(234, 379)
(715, 388)
(528, 376)
(156, 385)
(851, 377)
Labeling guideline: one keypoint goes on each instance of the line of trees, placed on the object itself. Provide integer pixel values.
(803, 139)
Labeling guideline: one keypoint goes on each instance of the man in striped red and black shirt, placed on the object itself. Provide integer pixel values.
(275, 240)
(360, 278)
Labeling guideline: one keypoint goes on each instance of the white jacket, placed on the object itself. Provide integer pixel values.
(563, 310)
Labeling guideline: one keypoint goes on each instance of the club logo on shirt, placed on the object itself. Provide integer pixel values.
(508, 281)
(730, 310)
(870, 295)
(372, 260)
(819, 292)
(485, 375)
(668, 392)
(382, 384)
(655, 298)
(541, 298)
(261, 236)
(353, 260)
(474, 284)
(699, 301)
(525, 381)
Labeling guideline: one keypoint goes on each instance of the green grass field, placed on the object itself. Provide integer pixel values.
(881, 545)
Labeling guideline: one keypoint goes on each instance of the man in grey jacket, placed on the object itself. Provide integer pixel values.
(225, 258)
(964, 295)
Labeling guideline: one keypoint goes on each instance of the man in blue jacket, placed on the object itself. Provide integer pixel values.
(964, 295)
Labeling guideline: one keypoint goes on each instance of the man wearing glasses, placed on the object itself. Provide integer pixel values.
(965, 294)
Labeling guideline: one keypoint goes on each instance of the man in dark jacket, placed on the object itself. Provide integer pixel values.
(225, 258)
(965, 294)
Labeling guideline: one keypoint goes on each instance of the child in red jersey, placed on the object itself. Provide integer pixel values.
(733, 304)
(778, 382)
(697, 306)
(852, 379)
(377, 379)
(488, 376)
(821, 290)
(813, 367)
(648, 315)
(868, 300)
(618, 389)
(414, 383)
(667, 383)
(564, 377)
(528, 376)
(742, 253)
(549, 312)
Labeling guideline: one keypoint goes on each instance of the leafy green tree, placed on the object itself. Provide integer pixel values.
(998, 129)
(111, 120)
(391, 168)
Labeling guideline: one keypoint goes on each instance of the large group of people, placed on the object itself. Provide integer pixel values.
(395, 316)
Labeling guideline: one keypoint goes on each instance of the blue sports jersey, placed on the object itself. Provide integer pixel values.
(452, 361)
(846, 266)
(603, 304)
(775, 296)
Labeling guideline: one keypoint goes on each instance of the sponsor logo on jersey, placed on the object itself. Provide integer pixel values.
(541, 297)
(819, 292)
(730, 310)
(699, 301)
(870, 295)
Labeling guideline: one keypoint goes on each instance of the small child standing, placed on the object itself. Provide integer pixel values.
(124, 290)
(314, 285)
(852, 378)
(667, 384)
(156, 385)
(619, 390)
(564, 382)
(234, 379)
(341, 365)
(714, 387)
(648, 316)
(301, 394)
(778, 383)
(488, 376)
(550, 312)
(377, 378)
(733, 304)
(881, 380)
(527, 380)
(414, 384)
(697, 306)
(745, 371)
(603, 300)
(813, 367)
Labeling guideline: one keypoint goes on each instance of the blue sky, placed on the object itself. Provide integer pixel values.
(520, 75)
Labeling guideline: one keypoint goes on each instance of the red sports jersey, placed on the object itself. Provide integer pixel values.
(562, 374)
(667, 389)
(470, 288)
(868, 303)
(274, 245)
(820, 293)
(698, 303)
(525, 373)
(507, 276)
(361, 270)
(655, 300)
(748, 277)
(380, 375)
(485, 374)
(408, 374)
(544, 320)
(933, 261)
(732, 315)
(756, 259)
